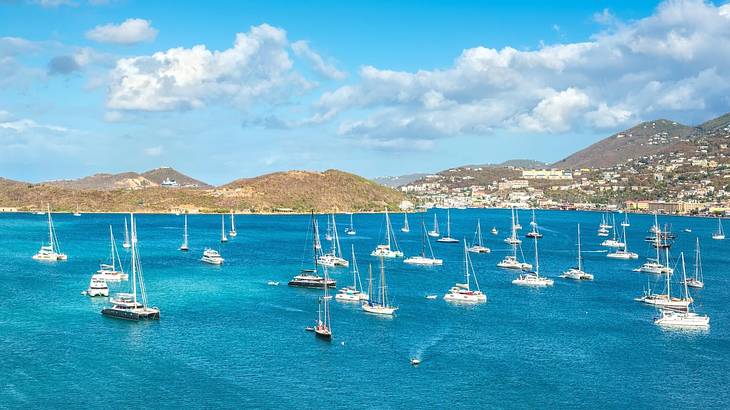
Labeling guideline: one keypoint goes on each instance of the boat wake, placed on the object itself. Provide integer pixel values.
(284, 308)
(419, 353)
(597, 251)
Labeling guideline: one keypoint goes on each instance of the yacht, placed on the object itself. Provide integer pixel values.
(462, 292)
(350, 230)
(720, 234)
(697, 281)
(97, 287)
(422, 259)
(535, 232)
(334, 257)
(127, 305)
(513, 239)
(479, 247)
(381, 305)
(323, 327)
(406, 228)
(435, 232)
(309, 278)
(577, 273)
(666, 300)
(623, 253)
(51, 252)
(212, 257)
(533, 279)
(184, 245)
(223, 229)
(108, 271)
(232, 233)
(448, 238)
(613, 242)
(126, 244)
(386, 250)
(354, 293)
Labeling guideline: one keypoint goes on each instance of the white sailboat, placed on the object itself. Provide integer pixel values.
(350, 230)
(534, 232)
(517, 219)
(232, 233)
(683, 319)
(462, 292)
(448, 238)
(626, 220)
(614, 242)
(720, 234)
(654, 265)
(623, 253)
(77, 213)
(127, 305)
(334, 257)
(494, 230)
(666, 300)
(390, 248)
(354, 293)
(184, 245)
(577, 273)
(223, 229)
(126, 244)
(434, 233)
(406, 228)
(511, 261)
(108, 271)
(533, 279)
(513, 239)
(479, 247)
(422, 259)
(52, 251)
(381, 305)
(697, 281)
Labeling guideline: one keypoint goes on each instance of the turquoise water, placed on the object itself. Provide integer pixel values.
(226, 339)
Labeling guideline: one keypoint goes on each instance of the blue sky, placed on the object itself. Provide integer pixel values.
(222, 90)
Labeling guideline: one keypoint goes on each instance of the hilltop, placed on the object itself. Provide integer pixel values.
(129, 180)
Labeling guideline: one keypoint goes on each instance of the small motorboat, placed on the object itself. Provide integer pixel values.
(415, 362)
(431, 297)
(687, 230)
(494, 231)
(309, 328)
(272, 283)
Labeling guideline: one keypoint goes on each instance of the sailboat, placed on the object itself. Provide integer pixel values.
(350, 230)
(385, 250)
(223, 229)
(533, 278)
(184, 246)
(448, 238)
(603, 227)
(673, 318)
(382, 305)
(108, 271)
(232, 233)
(462, 292)
(517, 219)
(354, 293)
(534, 233)
(479, 247)
(323, 328)
(334, 257)
(577, 273)
(127, 305)
(623, 253)
(406, 228)
(654, 265)
(626, 220)
(720, 234)
(77, 213)
(513, 239)
(494, 230)
(614, 242)
(50, 252)
(697, 281)
(422, 259)
(665, 300)
(328, 235)
(126, 244)
(309, 278)
(434, 233)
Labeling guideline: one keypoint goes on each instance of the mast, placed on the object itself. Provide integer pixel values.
(383, 294)
(233, 222)
(370, 283)
(698, 262)
(423, 241)
(613, 222)
(435, 223)
(387, 227)
(466, 265)
(684, 279)
(315, 241)
(223, 227)
(111, 245)
(626, 240)
(352, 227)
(537, 260)
(514, 229)
(479, 232)
(448, 222)
(185, 232)
(134, 259)
(580, 265)
(126, 232)
(355, 273)
(50, 230)
(405, 223)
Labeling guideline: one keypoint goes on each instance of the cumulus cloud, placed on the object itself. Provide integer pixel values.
(257, 68)
(62, 65)
(302, 49)
(131, 31)
(674, 63)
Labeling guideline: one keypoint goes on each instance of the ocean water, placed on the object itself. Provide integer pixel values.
(226, 339)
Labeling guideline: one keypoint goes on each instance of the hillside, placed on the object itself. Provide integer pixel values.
(158, 175)
(396, 181)
(298, 190)
(647, 138)
(129, 180)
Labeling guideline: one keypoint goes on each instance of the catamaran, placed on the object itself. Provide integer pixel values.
(108, 271)
(232, 233)
(422, 259)
(511, 262)
(223, 229)
(184, 245)
(577, 273)
(435, 231)
(685, 319)
(354, 293)
(720, 234)
(462, 292)
(534, 232)
(212, 256)
(309, 278)
(479, 247)
(350, 230)
(334, 257)
(665, 300)
(97, 287)
(623, 253)
(126, 244)
(654, 265)
(513, 239)
(614, 242)
(323, 327)
(126, 305)
(385, 250)
(406, 228)
(697, 281)
(50, 252)
(382, 305)
(533, 278)
(448, 238)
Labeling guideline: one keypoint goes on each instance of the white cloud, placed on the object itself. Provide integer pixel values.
(257, 69)
(131, 31)
(155, 151)
(302, 49)
(674, 63)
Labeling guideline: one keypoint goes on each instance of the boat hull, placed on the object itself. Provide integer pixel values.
(131, 315)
